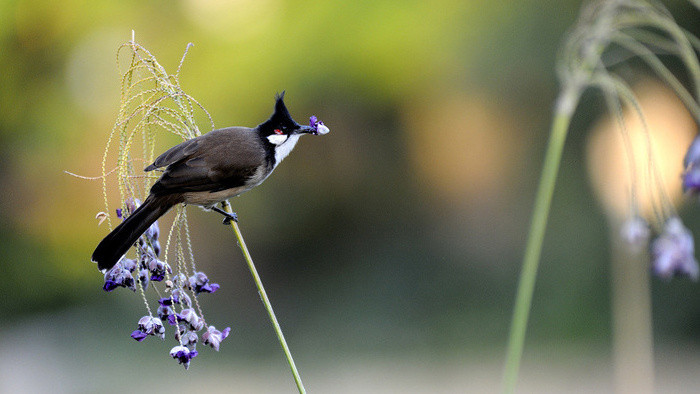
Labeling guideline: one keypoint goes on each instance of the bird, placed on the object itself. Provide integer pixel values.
(207, 170)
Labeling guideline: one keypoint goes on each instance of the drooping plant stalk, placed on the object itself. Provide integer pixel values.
(533, 249)
(266, 302)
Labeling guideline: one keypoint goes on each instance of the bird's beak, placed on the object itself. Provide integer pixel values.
(320, 129)
(307, 130)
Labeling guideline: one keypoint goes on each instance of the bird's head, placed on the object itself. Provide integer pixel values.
(281, 126)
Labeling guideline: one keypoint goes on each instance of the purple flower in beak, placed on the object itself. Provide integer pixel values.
(318, 126)
(673, 252)
(213, 337)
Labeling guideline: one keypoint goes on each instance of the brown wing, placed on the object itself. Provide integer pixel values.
(218, 160)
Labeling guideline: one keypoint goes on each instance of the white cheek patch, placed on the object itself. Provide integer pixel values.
(277, 139)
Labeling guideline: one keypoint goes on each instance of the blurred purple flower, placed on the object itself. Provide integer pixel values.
(691, 165)
(635, 233)
(673, 252)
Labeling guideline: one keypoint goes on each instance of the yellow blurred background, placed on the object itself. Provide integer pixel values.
(390, 248)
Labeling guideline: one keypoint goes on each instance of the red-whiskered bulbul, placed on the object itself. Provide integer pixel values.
(207, 170)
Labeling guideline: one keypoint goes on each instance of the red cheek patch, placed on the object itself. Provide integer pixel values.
(278, 131)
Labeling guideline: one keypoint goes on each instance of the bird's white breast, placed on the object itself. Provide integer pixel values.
(283, 147)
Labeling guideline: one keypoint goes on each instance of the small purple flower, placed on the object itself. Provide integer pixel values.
(118, 276)
(156, 247)
(213, 337)
(673, 252)
(143, 278)
(183, 355)
(149, 325)
(179, 281)
(189, 339)
(190, 316)
(209, 288)
(128, 264)
(180, 297)
(132, 204)
(164, 312)
(158, 268)
(152, 232)
(119, 213)
(166, 301)
(199, 283)
(139, 335)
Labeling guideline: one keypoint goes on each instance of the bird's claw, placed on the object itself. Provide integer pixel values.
(229, 217)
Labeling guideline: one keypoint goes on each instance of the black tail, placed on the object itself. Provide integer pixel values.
(118, 242)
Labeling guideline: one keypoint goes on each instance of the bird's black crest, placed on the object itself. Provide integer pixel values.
(280, 119)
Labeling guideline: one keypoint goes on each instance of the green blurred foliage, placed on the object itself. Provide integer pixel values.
(365, 236)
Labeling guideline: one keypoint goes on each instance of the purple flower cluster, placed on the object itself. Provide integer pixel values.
(120, 275)
(673, 250)
(177, 308)
(148, 249)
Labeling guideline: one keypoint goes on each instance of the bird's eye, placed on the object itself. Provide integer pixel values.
(279, 132)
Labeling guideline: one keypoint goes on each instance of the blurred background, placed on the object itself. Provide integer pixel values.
(390, 248)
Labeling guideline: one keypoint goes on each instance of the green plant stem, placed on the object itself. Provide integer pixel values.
(265, 300)
(526, 285)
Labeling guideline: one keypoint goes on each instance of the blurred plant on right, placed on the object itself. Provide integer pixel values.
(607, 36)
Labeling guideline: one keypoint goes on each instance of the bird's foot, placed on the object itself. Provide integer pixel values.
(228, 217)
